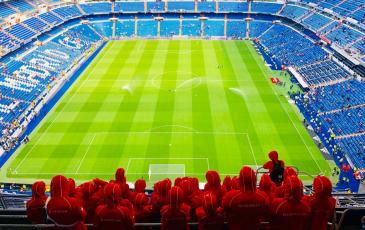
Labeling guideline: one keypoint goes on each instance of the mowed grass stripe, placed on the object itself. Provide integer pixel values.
(106, 148)
(225, 143)
(182, 134)
(144, 114)
(158, 143)
(237, 106)
(257, 94)
(203, 145)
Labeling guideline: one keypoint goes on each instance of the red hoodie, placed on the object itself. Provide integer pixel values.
(111, 215)
(139, 187)
(321, 202)
(122, 182)
(142, 210)
(213, 185)
(274, 157)
(192, 195)
(175, 215)
(280, 190)
(72, 187)
(36, 211)
(65, 212)
(89, 201)
(267, 186)
(159, 197)
(227, 184)
(246, 207)
(291, 212)
(210, 217)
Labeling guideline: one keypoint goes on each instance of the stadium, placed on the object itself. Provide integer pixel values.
(175, 93)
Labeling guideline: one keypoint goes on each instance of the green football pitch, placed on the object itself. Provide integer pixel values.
(167, 108)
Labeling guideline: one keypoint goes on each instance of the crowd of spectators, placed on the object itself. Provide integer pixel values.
(237, 201)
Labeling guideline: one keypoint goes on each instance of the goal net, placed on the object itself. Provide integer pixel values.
(158, 172)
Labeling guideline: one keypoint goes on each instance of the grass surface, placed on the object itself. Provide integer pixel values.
(167, 108)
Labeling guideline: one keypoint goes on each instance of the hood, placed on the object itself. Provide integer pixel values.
(177, 181)
(140, 185)
(213, 179)
(210, 203)
(187, 187)
(294, 188)
(164, 187)
(235, 183)
(274, 156)
(266, 184)
(140, 200)
(59, 186)
(38, 190)
(176, 197)
(227, 182)
(88, 189)
(72, 186)
(322, 187)
(112, 194)
(289, 171)
(194, 183)
(247, 179)
(119, 176)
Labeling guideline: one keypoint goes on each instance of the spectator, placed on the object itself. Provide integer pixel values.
(142, 210)
(159, 197)
(175, 215)
(192, 196)
(111, 215)
(290, 212)
(267, 186)
(72, 185)
(213, 185)
(65, 212)
(36, 212)
(139, 187)
(89, 201)
(322, 203)
(245, 208)
(210, 216)
(122, 182)
(275, 167)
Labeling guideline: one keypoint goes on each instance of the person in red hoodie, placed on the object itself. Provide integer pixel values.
(64, 211)
(280, 190)
(210, 216)
(175, 215)
(275, 167)
(159, 197)
(111, 215)
(213, 185)
(246, 207)
(36, 211)
(192, 196)
(267, 186)
(88, 200)
(291, 212)
(142, 210)
(121, 180)
(139, 187)
(321, 202)
(227, 184)
(72, 185)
